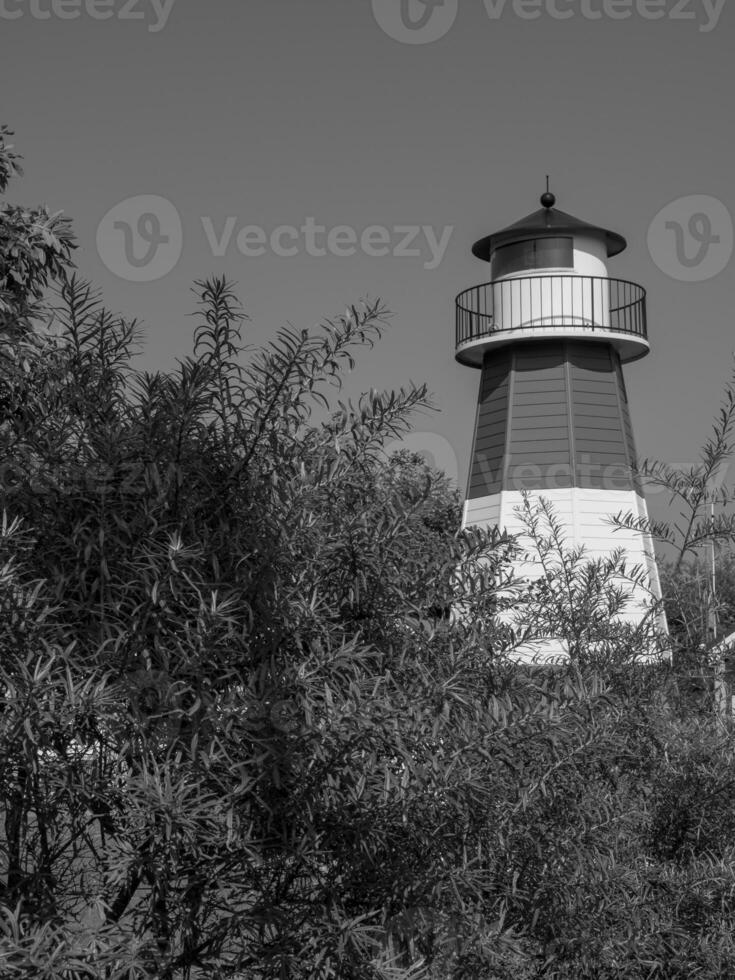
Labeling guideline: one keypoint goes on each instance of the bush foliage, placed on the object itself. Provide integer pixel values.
(240, 738)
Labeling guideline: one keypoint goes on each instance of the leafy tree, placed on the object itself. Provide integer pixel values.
(235, 739)
(691, 607)
(35, 248)
(186, 670)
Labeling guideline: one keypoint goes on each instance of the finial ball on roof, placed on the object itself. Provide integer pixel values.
(548, 200)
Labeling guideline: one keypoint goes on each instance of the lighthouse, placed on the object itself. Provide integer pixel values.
(549, 334)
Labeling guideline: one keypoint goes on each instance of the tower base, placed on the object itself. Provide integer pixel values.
(581, 514)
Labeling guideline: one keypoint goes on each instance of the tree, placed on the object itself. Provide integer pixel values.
(234, 740)
(186, 629)
(35, 248)
(690, 604)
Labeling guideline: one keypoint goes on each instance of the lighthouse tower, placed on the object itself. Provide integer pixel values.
(549, 334)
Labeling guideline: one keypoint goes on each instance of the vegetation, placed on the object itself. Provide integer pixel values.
(239, 736)
(698, 611)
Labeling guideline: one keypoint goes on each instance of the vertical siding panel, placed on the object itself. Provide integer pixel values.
(539, 431)
(485, 476)
(601, 460)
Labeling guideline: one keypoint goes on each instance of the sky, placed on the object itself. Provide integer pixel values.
(319, 153)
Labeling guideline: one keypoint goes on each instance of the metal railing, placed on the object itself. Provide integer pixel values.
(551, 301)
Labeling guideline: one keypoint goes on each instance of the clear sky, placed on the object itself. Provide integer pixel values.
(333, 113)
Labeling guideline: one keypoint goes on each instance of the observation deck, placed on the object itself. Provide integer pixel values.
(551, 306)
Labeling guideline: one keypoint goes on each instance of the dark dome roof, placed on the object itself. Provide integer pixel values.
(546, 223)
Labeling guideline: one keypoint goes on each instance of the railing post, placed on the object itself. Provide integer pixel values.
(592, 292)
